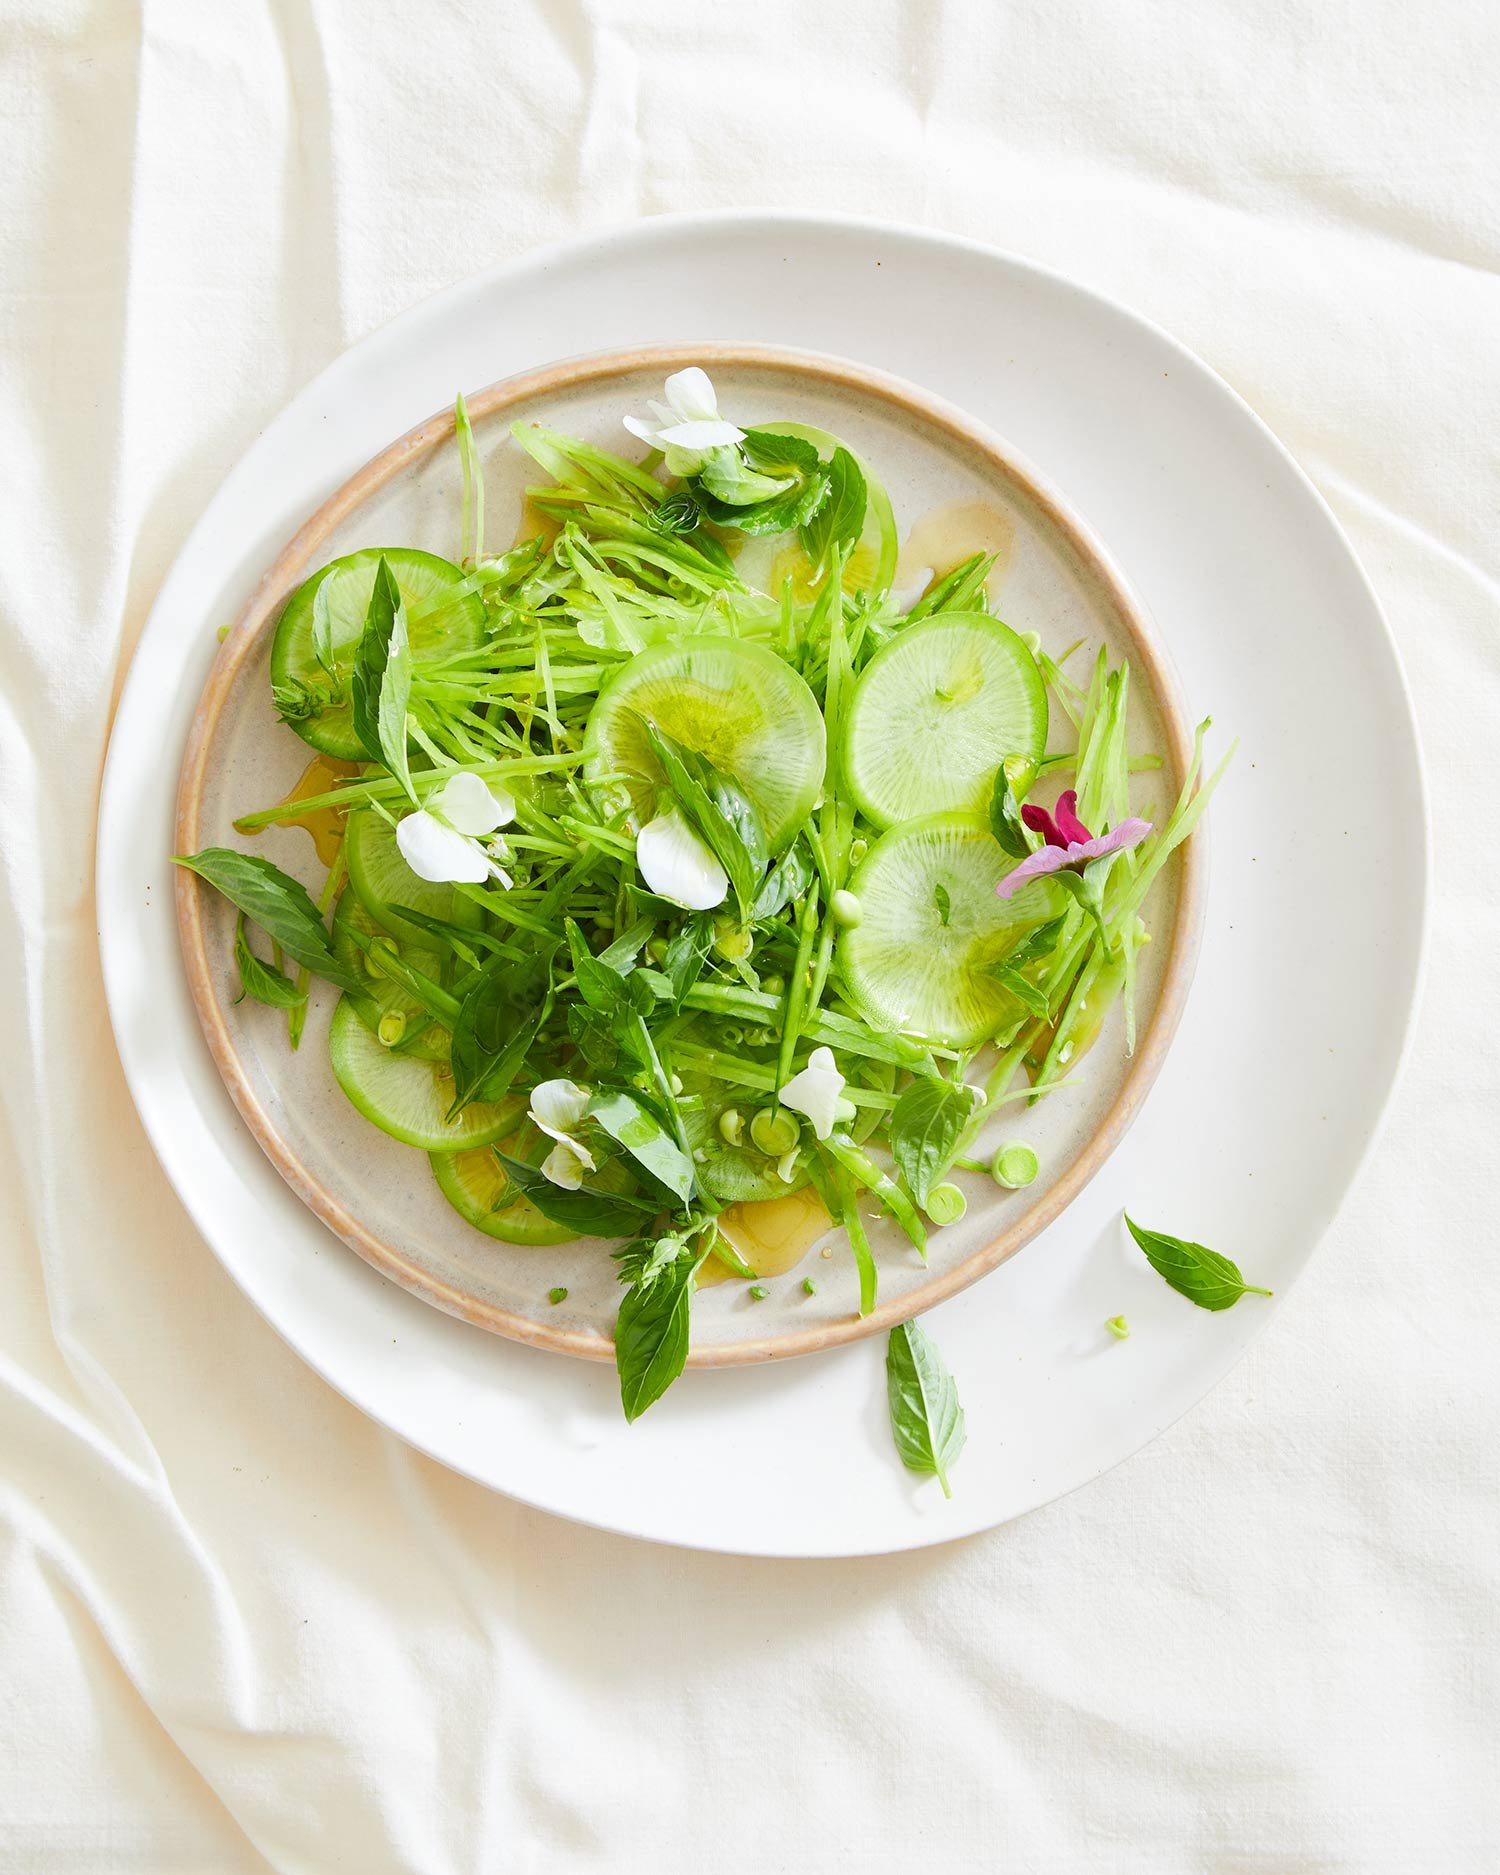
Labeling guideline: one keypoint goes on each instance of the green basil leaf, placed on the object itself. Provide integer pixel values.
(787, 880)
(496, 1024)
(395, 691)
(1193, 1270)
(927, 1421)
(278, 904)
(718, 810)
(647, 1141)
(622, 953)
(1025, 992)
(651, 1333)
(924, 1131)
(465, 941)
(777, 515)
(727, 478)
(589, 1210)
(259, 980)
(1005, 817)
(601, 987)
(840, 518)
(944, 904)
(322, 628)
(371, 655)
(686, 954)
(777, 454)
(597, 1041)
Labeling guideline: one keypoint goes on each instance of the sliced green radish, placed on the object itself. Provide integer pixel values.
(383, 1001)
(383, 880)
(442, 617)
(408, 1098)
(476, 1185)
(934, 714)
(930, 924)
(732, 701)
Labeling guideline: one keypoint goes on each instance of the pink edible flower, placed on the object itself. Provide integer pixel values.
(1070, 846)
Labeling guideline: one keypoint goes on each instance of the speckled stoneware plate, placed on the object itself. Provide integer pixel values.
(955, 488)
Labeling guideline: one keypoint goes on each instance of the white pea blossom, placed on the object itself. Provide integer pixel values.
(444, 841)
(678, 865)
(557, 1107)
(816, 1091)
(688, 425)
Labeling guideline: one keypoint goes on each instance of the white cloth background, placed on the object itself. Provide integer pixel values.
(241, 1628)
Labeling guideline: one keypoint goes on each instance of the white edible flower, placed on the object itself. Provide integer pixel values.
(557, 1107)
(443, 841)
(678, 865)
(816, 1091)
(688, 424)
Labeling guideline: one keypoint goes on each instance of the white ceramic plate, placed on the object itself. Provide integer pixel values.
(1293, 1033)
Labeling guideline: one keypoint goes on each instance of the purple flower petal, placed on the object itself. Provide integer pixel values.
(1071, 828)
(1073, 857)
(1118, 840)
(1036, 865)
(1040, 821)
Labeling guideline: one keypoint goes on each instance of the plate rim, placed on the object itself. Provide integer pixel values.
(256, 620)
(117, 882)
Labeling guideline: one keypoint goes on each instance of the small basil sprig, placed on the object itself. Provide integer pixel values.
(382, 677)
(631, 1124)
(927, 1421)
(840, 517)
(278, 904)
(1005, 808)
(589, 1210)
(1193, 1270)
(651, 1331)
(1028, 950)
(496, 1024)
(718, 810)
(925, 1127)
(259, 980)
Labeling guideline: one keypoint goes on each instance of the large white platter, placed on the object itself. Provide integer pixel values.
(1294, 1030)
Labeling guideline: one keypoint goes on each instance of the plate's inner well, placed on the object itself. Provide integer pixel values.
(952, 498)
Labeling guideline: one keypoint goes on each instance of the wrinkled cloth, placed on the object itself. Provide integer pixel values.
(241, 1627)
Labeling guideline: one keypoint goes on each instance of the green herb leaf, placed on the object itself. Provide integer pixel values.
(927, 1421)
(1193, 1270)
(371, 656)
(465, 941)
(496, 1025)
(590, 1210)
(258, 979)
(600, 986)
(787, 880)
(651, 1333)
(944, 904)
(632, 1125)
(1005, 817)
(719, 811)
(778, 454)
(686, 954)
(840, 518)
(322, 628)
(924, 1130)
(1025, 992)
(278, 904)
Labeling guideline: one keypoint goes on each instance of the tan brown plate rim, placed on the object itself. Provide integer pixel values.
(423, 441)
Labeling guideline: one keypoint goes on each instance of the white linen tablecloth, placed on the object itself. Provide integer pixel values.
(241, 1628)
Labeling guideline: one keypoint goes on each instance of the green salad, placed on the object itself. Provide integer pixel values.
(685, 864)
